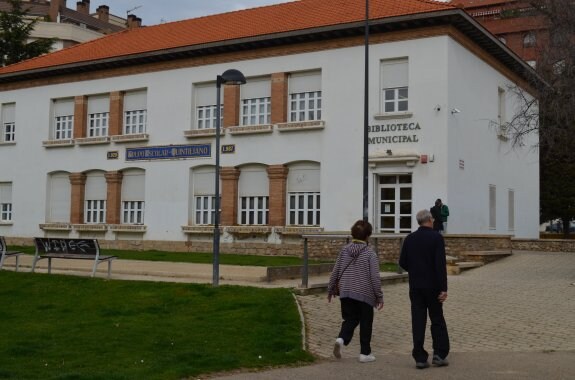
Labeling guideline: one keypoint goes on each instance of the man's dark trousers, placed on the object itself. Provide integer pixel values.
(356, 313)
(422, 301)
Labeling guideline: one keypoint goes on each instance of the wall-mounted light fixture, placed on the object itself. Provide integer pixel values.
(389, 153)
(455, 110)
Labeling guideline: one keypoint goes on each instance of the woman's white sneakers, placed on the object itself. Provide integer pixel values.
(337, 348)
(366, 358)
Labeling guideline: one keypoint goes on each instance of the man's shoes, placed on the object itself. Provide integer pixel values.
(366, 358)
(337, 348)
(421, 365)
(437, 361)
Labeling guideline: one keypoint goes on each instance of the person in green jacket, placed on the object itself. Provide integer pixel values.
(444, 211)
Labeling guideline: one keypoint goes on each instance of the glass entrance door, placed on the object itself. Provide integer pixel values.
(395, 193)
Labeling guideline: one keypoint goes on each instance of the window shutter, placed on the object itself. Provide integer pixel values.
(133, 185)
(204, 181)
(305, 82)
(135, 100)
(303, 178)
(256, 88)
(6, 192)
(96, 188)
(205, 95)
(253, 182)
(64, 107)
(9, 113)
(59, 198)
(98, 104)
(394, 73)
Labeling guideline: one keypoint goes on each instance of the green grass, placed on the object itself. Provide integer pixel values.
(65, 327)
(197, 258)
(206, 258)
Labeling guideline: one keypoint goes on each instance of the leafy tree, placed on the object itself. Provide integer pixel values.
(15, 30)
(552, 114)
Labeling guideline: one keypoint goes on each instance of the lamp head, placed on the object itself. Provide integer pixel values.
(232, 76)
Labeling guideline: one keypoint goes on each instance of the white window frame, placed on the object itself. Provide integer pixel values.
(133, 212)
(256, 111)
(135, 121)
(305, 106)
(8, 130)
(394, 92)
(304, 215)
(5, 202)
(254, 210)
(63, 127)
(204, 209)
(206, 116)
(95, 211)
(98, 124)
(5, 212)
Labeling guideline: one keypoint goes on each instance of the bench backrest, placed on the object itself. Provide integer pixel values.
(71, 246)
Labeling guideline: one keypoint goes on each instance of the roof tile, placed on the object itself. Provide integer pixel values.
(286, 17)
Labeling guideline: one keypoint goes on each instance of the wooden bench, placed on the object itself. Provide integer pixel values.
(6, 253)
(78, 249)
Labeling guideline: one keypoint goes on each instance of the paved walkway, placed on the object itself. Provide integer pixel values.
(512, 319)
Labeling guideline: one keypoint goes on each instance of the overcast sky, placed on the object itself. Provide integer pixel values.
(154, 12)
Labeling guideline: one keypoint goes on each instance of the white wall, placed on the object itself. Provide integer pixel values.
(441, 72)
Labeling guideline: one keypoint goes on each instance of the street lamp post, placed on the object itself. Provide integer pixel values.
(231, 76)
(366, 118)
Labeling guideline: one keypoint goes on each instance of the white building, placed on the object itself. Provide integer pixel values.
(115, 138)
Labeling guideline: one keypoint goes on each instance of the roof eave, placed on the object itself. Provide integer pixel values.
(457, 17)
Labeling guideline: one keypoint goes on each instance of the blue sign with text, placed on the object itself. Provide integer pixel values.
(169, 152)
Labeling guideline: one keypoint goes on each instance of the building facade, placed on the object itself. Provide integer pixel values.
(116, 141)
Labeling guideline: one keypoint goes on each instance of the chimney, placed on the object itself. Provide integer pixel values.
(133, 22)
(56, 6)
(83, 7)
(103, 13)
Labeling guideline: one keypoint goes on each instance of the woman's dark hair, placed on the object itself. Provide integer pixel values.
(361, 230)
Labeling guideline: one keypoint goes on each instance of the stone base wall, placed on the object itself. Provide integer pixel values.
(388, 247)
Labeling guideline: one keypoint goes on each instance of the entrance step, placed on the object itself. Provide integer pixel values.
(456, 267)
(485, 257)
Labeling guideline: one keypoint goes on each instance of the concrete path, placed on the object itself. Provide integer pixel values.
(512, 319)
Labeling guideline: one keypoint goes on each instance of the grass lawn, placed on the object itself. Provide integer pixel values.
(206, 258)
(66, 327)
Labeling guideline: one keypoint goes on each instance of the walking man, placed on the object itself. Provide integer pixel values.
(423, 257)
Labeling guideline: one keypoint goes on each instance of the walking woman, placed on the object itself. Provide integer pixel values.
(355, 279)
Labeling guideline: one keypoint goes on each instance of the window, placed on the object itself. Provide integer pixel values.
(135, 112)
(133, 192)
(305, 97)
(203, 183)
(205, 100)
(8, 127)
(63, 119)
(492, 208)
(529, 40)
(501, 117)
(256, 102)
(511, 210)
(98, 115)
(394, 80)
(5, 202)
(59, 198)
(303, 195)
(95, 198)
(254, 196)
(503, 40)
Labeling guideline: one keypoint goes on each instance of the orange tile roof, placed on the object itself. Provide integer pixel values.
(286, 17)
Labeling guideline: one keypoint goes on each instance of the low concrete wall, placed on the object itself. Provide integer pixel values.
(295, 271)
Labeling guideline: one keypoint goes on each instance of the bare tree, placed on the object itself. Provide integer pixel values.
(552, 113)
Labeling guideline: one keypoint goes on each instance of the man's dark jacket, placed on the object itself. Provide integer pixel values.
(423, 256)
